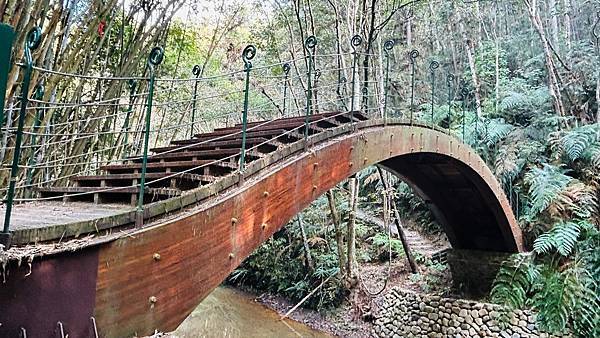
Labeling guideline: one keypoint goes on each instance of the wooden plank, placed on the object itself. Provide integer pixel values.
(216, 144)
(266, 133)
(111, 190)
(115, 177)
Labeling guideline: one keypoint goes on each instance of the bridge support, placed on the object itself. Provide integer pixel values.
(473, 271)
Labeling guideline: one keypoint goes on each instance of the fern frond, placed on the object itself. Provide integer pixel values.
(562, 237)
(514, 280)
(545, 185)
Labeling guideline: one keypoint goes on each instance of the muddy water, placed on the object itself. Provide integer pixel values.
(230, 313)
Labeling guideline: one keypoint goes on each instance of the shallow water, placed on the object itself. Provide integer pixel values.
(230, 313)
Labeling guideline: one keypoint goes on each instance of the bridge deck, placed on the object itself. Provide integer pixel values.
(106, 199)
(37, 215)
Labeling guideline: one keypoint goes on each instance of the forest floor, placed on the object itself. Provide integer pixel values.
(354, 318)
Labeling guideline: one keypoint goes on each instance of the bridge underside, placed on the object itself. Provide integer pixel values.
(154, 277)
(460, 199)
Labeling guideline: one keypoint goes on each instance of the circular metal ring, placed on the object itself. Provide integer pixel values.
(34, 38)
(249, 53)
(343, 79)
(286, 68)
(389, 45)
(450, 78)
(365, 90)
(356, 41)
(434, 65)
(196, 70)
(317, 74)
(414, 54)
(157, 54)
(311, 42)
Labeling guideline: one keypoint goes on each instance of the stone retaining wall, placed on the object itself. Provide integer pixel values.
(408, 314)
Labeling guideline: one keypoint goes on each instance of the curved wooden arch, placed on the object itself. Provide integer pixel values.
(156, 277)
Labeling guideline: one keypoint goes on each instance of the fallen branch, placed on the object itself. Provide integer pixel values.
(306, 297)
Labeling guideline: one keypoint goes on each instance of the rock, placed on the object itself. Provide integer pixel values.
(433, 316)
(474, 313)
(462, 313)
(483, 312)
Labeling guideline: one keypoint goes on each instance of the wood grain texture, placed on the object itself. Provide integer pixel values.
(198, 250)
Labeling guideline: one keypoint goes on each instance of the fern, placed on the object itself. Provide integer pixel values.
(576, 143)
(562, 237)
(495, 131)
(567, 295)
(514, 280)
(545, 185)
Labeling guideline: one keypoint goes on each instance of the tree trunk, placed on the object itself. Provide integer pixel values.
(552, 79)
(351, 231)
(399, 227)
(339, 236)
(307, 255)
(471, 58)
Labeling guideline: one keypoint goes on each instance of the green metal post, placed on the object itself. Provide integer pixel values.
(197, 71)
(309, 44)
(414, 54)
(132, 86)
(154, 59)
(464, 92)
(432, 67)
(31, 43)
(355, 43)
(387, 48)
(286, 69)
(39, 94)
(7, 36)
(449, 81)
(247, 55)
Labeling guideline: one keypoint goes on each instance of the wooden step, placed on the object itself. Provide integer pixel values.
(164, 192)
(214, 144)
(150, 177)
(173, 166)
(238, 135)
(205, 156)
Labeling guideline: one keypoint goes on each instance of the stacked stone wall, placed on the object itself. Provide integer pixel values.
(408, 314)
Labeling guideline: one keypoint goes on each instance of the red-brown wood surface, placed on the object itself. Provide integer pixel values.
(138, 292)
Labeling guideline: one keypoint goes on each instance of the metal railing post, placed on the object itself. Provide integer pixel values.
(449, 82)
(413, 55)
(7, 36)
(355, 43)
(197, 71)
(309, 44)
(286, 69)
(464, 92)
(247, 55)
(39, 94)
(387, 48)
(32, 42)
(433, 66)
(154, 59)
(132, 87)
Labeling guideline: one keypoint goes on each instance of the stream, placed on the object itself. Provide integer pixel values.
(227, 312)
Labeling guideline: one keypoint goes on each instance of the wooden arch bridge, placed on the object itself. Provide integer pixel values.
(133, 281)
(95, 265)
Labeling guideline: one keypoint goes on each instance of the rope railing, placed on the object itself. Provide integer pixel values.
(126, 117)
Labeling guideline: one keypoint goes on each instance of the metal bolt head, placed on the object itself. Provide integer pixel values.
(152, 300)
(266, 194)
(231, 255)
(156, 256)
(264, 226)
(234, 220)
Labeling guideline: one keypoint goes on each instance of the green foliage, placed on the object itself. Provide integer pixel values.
(562, 237)
(579, 143)
(545, 186)
(514, 281)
